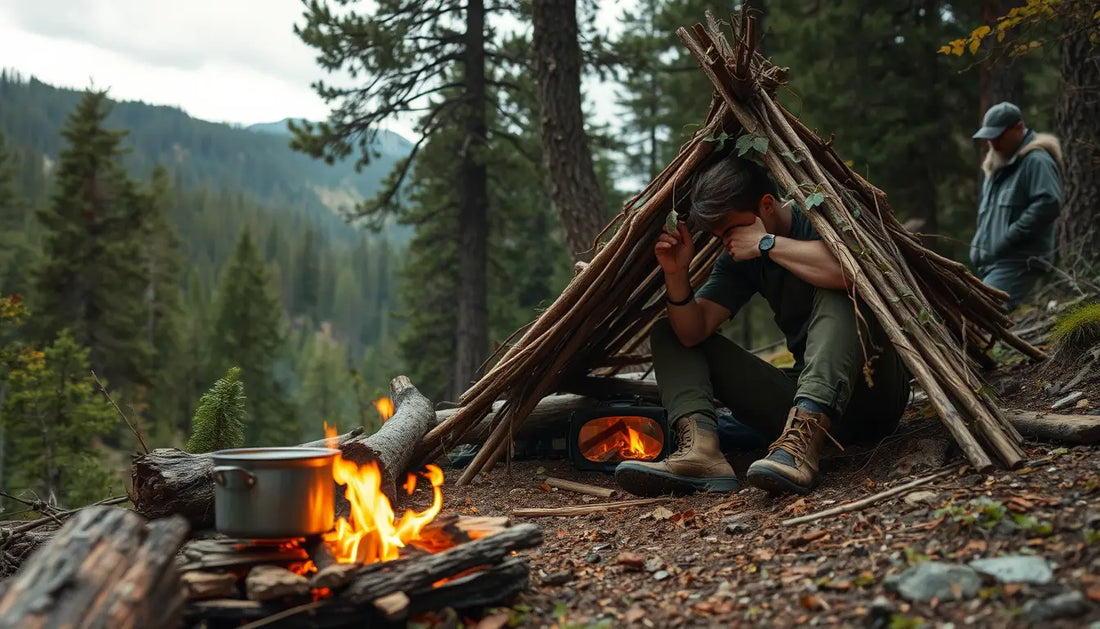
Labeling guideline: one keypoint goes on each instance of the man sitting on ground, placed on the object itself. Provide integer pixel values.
(771, 248)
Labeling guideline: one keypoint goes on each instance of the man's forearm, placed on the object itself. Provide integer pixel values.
(811, 261)
(687, 320)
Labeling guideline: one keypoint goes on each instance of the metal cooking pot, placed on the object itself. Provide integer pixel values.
(273, 492)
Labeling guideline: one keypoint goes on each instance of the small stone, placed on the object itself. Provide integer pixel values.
(737, 528)
(1066, 605)
(200, 585)
(334, 576)
(632, 561)
(934, 579)
(593, 558)
(653, 564)
(1082, 404)
(1015, 569)
(265, 583)
(661, 575)
(558, 578)
(919, 497)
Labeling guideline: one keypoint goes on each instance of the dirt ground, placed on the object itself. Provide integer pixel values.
(727, 559)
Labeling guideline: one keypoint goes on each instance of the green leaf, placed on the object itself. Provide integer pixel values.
(760, 145)
(815, 199)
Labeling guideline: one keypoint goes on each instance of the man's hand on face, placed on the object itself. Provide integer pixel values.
(743, 243)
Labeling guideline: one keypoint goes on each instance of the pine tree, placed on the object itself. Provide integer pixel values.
(53, 415)
(248, 331)
(327, 393)
(218, 423)
(162, 262)
(308, 277)
(15, 254)
(89, 279)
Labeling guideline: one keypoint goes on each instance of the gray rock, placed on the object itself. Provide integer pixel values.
(923, 454)
(661, 575)
(918, 497)
(1015, 569)
(593, 558)
(1066, 605)
(933, 579)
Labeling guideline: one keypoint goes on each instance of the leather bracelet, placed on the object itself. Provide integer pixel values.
(686, 300)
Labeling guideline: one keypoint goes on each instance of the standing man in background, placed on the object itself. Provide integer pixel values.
(1021, 198)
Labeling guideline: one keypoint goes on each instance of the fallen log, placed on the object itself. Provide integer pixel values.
(1081, 430)
(168, 481)
(107, 567)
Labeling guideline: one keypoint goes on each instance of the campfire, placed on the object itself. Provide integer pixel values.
(371, 533)
(164, 563)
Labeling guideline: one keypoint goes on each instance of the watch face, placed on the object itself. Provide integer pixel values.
(767, 242)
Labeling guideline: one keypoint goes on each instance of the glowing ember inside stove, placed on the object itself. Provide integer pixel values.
(618, 438)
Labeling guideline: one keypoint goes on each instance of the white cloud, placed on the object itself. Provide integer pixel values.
(233, 61)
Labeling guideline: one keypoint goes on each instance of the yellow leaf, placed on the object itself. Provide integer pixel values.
(974, 45)
(957, 47)
(1000, 36)
(944, 50)
(980, 32)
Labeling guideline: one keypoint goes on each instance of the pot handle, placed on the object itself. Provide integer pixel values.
(232, 477)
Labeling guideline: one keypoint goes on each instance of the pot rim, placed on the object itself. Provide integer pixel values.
(259, 456)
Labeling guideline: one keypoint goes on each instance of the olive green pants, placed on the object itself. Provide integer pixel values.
(760, 395)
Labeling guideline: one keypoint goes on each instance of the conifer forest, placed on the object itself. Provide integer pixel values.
(171, 282)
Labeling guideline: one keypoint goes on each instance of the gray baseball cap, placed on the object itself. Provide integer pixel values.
(998, 118)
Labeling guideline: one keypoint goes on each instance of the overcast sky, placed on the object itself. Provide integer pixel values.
(221, 60)
(232, 61)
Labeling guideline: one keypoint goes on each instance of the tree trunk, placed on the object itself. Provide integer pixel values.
(573, 185)
(472, 326)
(107, 567)
(1001, 79)
(1078, 112)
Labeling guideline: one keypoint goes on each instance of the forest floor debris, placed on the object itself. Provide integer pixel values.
(726, 560)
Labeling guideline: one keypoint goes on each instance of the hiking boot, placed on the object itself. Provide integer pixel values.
(696, 465)
(792, 461)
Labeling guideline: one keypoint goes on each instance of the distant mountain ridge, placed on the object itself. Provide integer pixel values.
(255, 159)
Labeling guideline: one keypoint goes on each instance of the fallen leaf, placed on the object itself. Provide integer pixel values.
(496, 621)
(1011, 589)
(544, 487)
(798, 507)
(1093, 593)
(634, 614)
(763, 554)
(975, 546)
(1085, 403)
(660, 513)
(814, 603)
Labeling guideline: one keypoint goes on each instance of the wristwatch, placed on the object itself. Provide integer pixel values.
(766, 244)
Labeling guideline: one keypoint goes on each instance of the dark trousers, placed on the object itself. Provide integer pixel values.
(760, 395)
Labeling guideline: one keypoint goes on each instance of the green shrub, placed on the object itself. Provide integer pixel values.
(219, 420)
(1078, 328)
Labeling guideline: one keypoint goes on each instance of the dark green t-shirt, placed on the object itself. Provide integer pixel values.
(731, 284)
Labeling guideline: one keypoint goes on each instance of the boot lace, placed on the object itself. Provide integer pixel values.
(796, 439)
(683, 439)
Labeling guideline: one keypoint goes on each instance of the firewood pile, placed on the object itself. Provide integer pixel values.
(940, 317)
(110, 567)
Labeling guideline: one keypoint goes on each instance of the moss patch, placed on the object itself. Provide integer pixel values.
(1078, 328)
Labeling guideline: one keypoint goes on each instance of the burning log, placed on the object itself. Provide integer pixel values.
(168, 481)
(107, 567)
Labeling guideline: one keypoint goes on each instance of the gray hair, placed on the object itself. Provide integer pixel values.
(731, 184)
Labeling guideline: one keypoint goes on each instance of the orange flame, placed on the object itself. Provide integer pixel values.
(385, 407)
(636, 448)
(372, 533)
